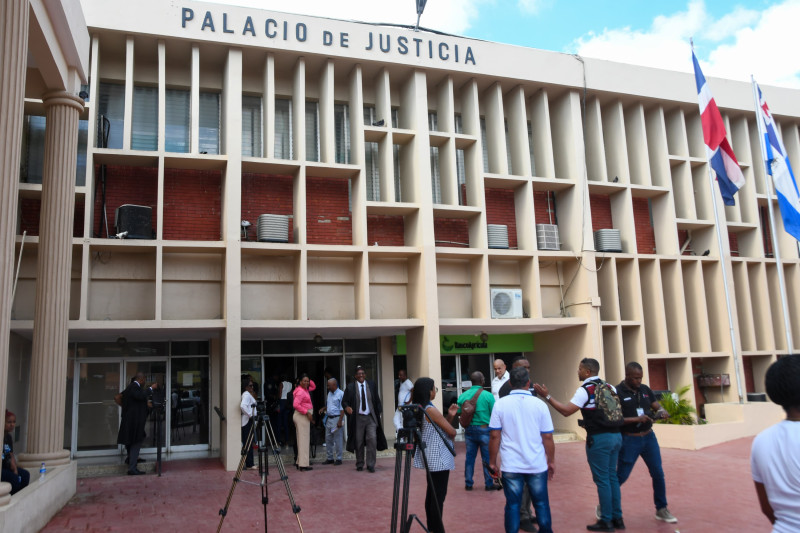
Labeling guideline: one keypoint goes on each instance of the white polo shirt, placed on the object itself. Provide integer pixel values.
(522, 418)
(497, 383)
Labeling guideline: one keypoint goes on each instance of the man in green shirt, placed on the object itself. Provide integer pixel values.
(477, 434)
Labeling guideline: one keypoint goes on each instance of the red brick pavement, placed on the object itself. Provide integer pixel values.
(709, 491)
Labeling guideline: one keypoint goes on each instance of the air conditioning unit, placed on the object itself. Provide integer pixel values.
(498, 236)
(506, 303)
(547, 237)
(607, 240)
(273, 228)
(134, 219)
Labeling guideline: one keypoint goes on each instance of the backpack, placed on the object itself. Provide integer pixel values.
(608, 409)
(468, 410)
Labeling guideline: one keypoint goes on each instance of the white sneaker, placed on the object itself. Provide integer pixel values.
(664, 515)
(597, 512)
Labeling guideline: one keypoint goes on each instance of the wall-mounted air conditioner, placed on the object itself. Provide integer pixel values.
(498, 236)
(506, 303)
(273, 228)
(607, 240)
(547, 237)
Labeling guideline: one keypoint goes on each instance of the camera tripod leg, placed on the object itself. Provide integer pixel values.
(276, 452)
(247, 445)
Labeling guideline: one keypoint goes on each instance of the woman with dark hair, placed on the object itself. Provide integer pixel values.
(303, 414)
(248, 408)
(774, 461)
(17, 476)
(436, 427)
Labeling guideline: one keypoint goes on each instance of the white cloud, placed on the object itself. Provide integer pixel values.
(530, 7)
(759, 43)
(450, 16)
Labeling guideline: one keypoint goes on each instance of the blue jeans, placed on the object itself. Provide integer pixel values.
(477, 437)
(602, 451)
(647, 447)
(513, 485)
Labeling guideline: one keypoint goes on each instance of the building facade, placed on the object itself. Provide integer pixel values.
(433, 203)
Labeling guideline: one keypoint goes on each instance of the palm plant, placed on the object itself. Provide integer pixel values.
(678, 408)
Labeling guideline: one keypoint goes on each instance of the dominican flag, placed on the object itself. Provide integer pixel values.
(729, 175)
(777, 162)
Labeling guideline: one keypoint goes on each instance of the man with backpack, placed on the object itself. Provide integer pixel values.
(602, 419)
(474, 409)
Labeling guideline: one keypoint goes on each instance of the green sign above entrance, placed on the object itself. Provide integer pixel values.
(517, 342)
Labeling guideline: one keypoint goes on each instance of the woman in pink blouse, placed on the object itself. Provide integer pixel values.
(303, 413)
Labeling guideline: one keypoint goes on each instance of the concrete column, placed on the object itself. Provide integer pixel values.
(50, 325)
(14, 15)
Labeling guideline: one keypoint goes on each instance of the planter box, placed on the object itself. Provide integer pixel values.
(714, 380)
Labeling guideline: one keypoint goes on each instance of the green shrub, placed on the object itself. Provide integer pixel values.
(680, 411)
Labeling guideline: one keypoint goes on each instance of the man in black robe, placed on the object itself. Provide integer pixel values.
(363, 406)
(134, 416)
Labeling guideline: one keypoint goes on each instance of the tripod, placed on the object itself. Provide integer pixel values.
(257, 431)
(409, 439)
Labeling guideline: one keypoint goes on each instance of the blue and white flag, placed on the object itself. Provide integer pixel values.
(777, 162)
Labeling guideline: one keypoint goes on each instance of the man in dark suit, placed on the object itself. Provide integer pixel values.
(363, 406)
(134, 416)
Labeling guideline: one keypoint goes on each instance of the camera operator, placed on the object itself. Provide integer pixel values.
(440, 459)
(248, 408)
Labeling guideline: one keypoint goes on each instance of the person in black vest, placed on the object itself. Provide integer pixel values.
(602, 444)
(362, 404)
(134, 416)
(639, 408)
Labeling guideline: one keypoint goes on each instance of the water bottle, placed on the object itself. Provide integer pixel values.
(42, 472)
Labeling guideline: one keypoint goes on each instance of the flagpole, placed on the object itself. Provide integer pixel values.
(714, 199)
(776, 249)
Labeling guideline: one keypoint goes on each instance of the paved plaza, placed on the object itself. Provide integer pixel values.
(708, 490)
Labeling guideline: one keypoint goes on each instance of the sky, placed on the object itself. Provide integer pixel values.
(732, 39)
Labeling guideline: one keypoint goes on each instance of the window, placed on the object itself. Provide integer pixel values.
(251, 126)
(80, 170)
(373, 173)
(530, 148)
(209, 123)
(283, 128)
(144, 134)
(32, 159)
(312, 131)
(484, 145)
(459, 124)
(436, 184)
(177, 135)
(433, 121)
(369, 115)
(508, 147)
(461, 176)
(398, 197)
(341, 120)
(111, 115)
(395, 117)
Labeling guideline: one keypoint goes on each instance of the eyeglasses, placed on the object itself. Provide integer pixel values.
(436, 389)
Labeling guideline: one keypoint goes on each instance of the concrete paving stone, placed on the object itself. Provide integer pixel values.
(708, 490)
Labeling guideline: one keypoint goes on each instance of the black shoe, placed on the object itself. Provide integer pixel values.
(337, 463)
(527, 525)
(618, 523)
(467, 487)
(140, 460)
(359, 468)
(371, 469)
(600, 525)
(329, 462)
(136, 472)
(305, 468)
(490, 488)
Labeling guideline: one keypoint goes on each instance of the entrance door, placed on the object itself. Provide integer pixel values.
(188, 403)
(96, 415)
(154, 372)
(456, 371)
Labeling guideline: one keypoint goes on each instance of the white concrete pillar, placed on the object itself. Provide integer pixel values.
(14, 15)
(51, 317)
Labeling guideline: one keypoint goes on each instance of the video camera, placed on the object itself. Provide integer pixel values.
(412, 415)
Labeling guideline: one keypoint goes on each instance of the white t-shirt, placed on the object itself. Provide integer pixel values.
(497, 383)
(287, 388)
(522, 419)
(404, 394)
(581, 397)
(775, 462)
(247, 406)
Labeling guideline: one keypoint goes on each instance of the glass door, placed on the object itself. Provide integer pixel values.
(188, 403)
(96, 415)
(154, 372)
(456, 371)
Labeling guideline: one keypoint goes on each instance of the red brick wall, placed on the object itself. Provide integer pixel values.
(328, 211)
(749, 382)
(657, 369)
(733, 240)
(192, 209)
(765, 232)
(645, 236)
(453, 230)
(500, 210)
(700, 402)
(266, 194)
(540, 210)
(682, 236)
(600, 205)
(125, 185)
(385, 230)
(30, 210)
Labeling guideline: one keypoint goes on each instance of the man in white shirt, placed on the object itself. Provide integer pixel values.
(403, 397)
(522, 432)
(500, 377)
